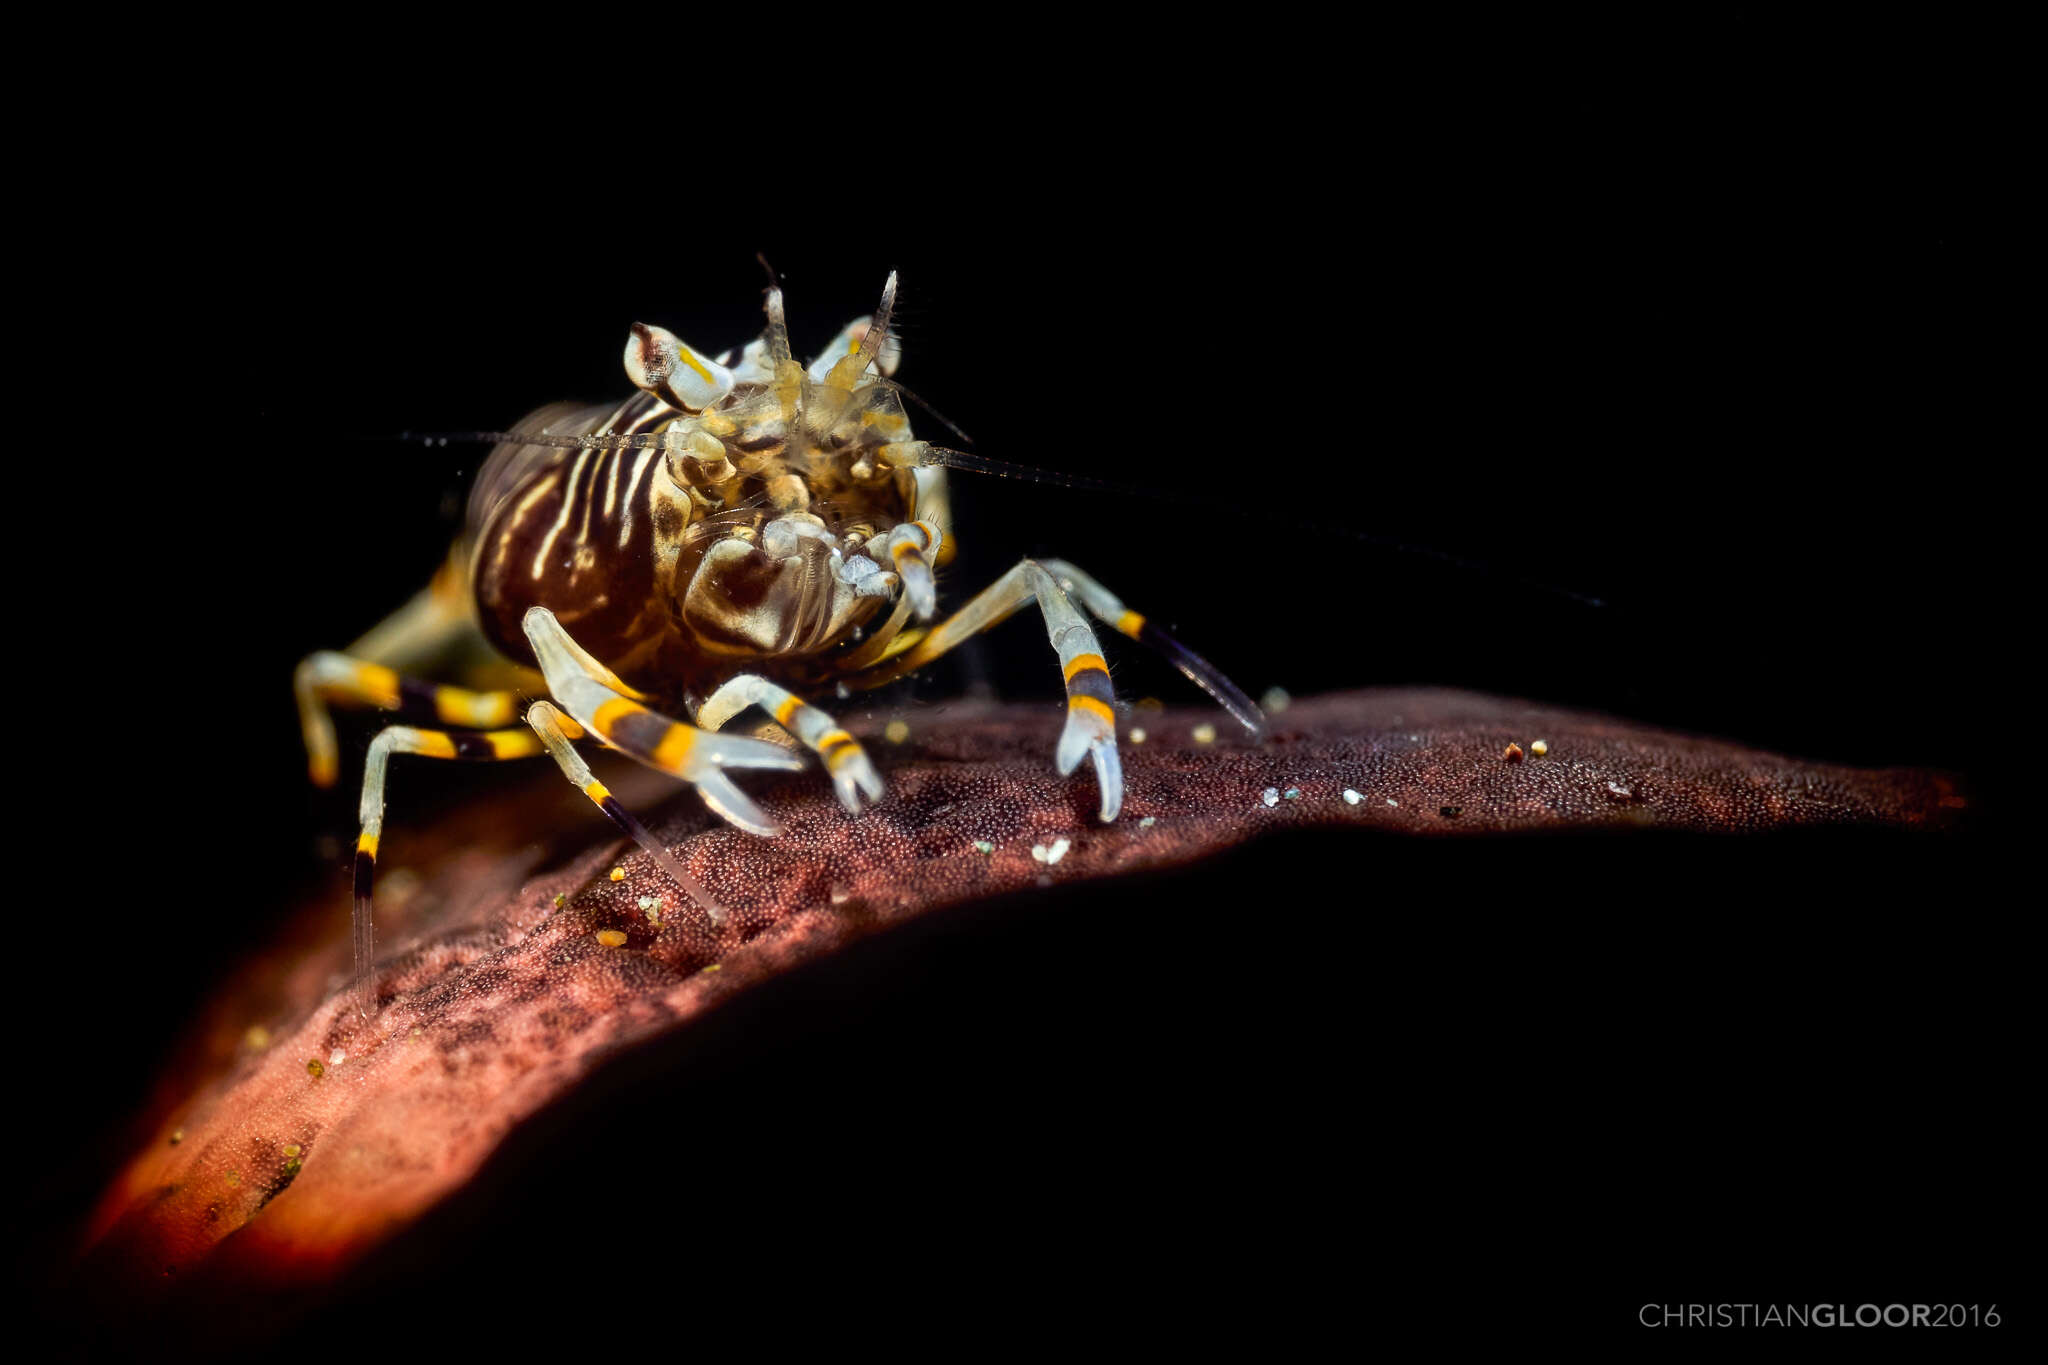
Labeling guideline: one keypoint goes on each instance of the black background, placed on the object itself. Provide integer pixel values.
(1645, 371)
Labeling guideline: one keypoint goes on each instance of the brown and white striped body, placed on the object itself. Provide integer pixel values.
(675, 584)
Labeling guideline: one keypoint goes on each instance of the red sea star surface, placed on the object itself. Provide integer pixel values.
(296, 1135)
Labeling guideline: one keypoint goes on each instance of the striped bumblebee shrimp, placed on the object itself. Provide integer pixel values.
(732, 536)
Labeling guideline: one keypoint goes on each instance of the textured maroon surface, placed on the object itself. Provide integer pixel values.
(494, 1002)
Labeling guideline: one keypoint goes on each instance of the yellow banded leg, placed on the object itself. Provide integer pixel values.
(1105, 606)
(910, 548)
(330, 678)
(1091, 701)
(646, 735)
(488, 746)
(557, 732)
(840, 752)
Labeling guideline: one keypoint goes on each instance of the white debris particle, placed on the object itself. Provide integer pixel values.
(1205, 733)
(336, 1057)
(1351, 798)
(1274, 700)
(1052, 855)
(840, 895)
(1148, 822)
(1539, 748)
(1623, 792)
(1392, 802)
(649, 902)
(983, 846)
(1271, 796)
(1292, 793)
(1137, 736)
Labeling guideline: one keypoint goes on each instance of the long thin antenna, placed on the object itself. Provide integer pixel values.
(550, 440)
(983, 464)
(943, 457)
(944, 421)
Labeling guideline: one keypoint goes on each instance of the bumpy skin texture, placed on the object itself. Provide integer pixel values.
(494, 1001)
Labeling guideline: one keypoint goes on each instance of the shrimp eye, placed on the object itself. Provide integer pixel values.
(658, 362)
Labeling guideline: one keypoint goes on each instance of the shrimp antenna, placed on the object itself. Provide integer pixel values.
(942, 457)
(944, 421)
(939, 457)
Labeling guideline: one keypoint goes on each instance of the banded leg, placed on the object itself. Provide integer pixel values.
(1106, 607)
(490, 745)
(840, 752)
(598, 701)
(1091, 715)
(328, 677)
(552, 733)
(911, 547)
(556, 732)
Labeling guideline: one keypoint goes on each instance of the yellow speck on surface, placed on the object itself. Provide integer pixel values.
(292, 1149)
(560, 900)
(177, 1136)
(1137, 736)
(618, 874)
(316, 1068)
(611, 938)
(1151, 704)
(1205, 733)
(714, 966)
(234, 1177)
(1539, 748)
(896, 732)
(257, 1037)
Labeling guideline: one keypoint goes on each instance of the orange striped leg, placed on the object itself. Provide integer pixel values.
(556, 732)
(330, 678)
(487, 746)
(1091, 701)
(911, 547)
(852, 774)
(1106, 607)
(590, 694)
